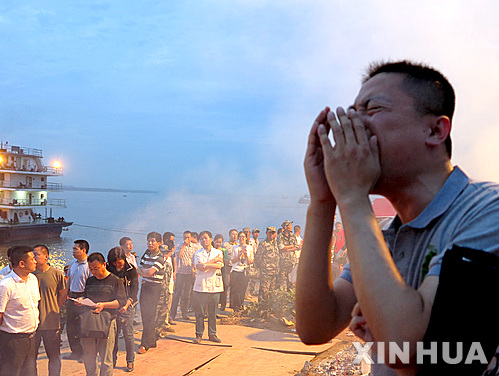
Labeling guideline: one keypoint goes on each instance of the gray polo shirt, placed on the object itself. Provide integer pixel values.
(463, 213)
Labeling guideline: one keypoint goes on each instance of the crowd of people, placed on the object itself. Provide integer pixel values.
(99, 294)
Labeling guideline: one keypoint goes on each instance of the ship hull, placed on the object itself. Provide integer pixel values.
(32, 231)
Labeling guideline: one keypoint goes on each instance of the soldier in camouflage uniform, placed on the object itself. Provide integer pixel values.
(267, 261)
(287, 244)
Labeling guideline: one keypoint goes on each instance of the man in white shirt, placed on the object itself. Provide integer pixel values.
(19, 315)
(208, 285)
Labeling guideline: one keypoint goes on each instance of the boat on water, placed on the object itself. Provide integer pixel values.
(24, 189)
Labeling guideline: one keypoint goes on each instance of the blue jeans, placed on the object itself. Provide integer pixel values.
(206, 302)
(125, 324)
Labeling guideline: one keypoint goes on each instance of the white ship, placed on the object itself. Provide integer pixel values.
(24, 189)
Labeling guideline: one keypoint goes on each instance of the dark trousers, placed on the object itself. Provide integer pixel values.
(73, 327)
(52, 345)
(18, 353)
(238, 285)
(149, 297)
(206, 302)
(182, 293)
(223, 294)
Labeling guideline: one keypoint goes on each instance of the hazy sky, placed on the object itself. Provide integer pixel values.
(218, 96)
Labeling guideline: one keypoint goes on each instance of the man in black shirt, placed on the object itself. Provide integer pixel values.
(108, 294)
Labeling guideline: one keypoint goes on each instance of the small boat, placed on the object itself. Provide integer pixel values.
(305, 199)
(24, 191)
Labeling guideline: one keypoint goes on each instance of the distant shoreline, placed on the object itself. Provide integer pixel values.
(89, 189)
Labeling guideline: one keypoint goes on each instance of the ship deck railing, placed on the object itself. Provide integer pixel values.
(20, 150)
(45, 170)
(55, 187)
(33, 202)
(35, 221)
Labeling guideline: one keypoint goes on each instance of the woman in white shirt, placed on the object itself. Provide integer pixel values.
(242, 256)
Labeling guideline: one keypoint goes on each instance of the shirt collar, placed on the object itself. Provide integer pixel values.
(16, 277)
(452, 188)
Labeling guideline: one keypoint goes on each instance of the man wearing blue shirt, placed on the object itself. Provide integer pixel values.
(393, 141)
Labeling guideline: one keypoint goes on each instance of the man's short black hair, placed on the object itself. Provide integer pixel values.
(432, 92)
(96, 256)
(155, 235)
(169, 244)
(207, 233)
(167, 235)
(194, 235)
(83, 244)
(42, 246)
(114, 254)
(19, 253)
(187, 232)
(124, 239)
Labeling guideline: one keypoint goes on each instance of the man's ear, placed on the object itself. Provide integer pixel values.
(439, 130)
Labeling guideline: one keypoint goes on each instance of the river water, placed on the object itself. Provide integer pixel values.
(102, 218)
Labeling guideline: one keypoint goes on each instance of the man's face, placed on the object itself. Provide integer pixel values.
(233, 236)
(30, 263)
(128, 246)
(271, 235)
(119, 263)
(388, 112)
(256, 234)
(97, 269)
(153, 244)
(218, 243)
(289, 227)
(187, 238)
(40, 256)
(242, 238)
(339, 227)
(78, 253)
(205, 241)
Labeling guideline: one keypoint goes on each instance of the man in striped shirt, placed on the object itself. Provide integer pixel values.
(152, 270)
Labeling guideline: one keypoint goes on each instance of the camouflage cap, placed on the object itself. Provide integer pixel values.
(256, 230)
(270, 228)
(285, 223)
(246, 229)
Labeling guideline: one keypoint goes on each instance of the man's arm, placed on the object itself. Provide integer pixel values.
(214, 263)
(113, 304)
(62, 296)
(322, 308)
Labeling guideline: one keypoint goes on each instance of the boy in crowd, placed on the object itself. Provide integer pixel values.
(127, 245)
